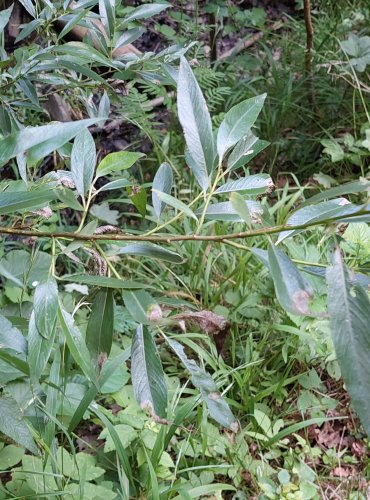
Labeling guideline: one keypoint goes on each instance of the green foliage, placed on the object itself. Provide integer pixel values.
(149, 357)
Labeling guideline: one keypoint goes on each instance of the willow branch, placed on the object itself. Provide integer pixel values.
(171, 238)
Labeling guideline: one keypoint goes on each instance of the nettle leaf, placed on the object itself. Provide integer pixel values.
(11, 337)
(226, 212)
(162, 182)
(349, 312)
(292, 291)
(39, 349)
(196, 123)
(218, 408)
(46, 307)
(103, 212)
(146, 10)
(359, 49)
(142, 306)
(25, 200)
(147, 374)
(153, 251)
(13, 424)
(77, 345)
(245, 150)
(251, 185)
(336, 209)
(83, 160)
(99, 333)
(41, 141)
(237, 123)
(116, 162)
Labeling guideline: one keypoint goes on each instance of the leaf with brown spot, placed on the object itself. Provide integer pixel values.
(210, 323)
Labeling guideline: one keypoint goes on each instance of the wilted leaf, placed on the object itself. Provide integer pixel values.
(349, 312)
(217, 406)
(209, 322)
(147, 375)
(292, 291)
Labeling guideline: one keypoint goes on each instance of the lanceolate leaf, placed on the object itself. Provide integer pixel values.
(245, 150)
(102, 281)
(175, 203)
(226, 212)
(77, 345)
(292, 291)
(252, 185)
(13, 424)
(349, 311)
(4, 18)
(154, 251)
(348, 188)
(146, 10)
(238, 203)
(333, 209)
(25, 200)
(83, 159)
(39, 350)
(116, 162)
(142, 306)
(46, 307)
(50, 137)
(237, 123)
(162, 182)
(147, 374)
(217, 406)
(196, 123)
(99, 333)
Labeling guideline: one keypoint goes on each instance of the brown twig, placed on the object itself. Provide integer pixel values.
(309, 47)
(241, 46)
(220, 238)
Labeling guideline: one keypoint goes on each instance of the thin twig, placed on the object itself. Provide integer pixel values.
(309, 47)
(221, 238)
